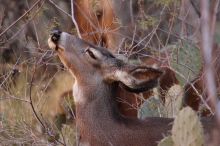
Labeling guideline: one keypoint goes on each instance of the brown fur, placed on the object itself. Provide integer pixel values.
(98, 120)
(93, 24)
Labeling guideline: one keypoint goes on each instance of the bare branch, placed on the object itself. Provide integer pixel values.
(194, 88)
(207, 30)
(214, 9)
(35, 29)
(35, 112)
(31, 100)
(193, 3)
(16, 21)
(24, 25)
(74, 20)
(14, 98)
(207, 44)
(60, 8)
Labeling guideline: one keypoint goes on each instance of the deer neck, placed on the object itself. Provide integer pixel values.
(96, 111)
(95, 105)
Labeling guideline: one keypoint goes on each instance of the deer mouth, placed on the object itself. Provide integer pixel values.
(54, 39)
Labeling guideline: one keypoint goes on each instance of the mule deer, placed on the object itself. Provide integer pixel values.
(108, 23)
(98, 74)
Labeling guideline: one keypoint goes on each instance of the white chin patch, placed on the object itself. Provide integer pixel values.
(51, 44)
(77, 93)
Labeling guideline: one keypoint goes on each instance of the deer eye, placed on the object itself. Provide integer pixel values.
(94, 53)
(90, 53)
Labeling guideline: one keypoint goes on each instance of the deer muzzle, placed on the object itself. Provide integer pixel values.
(54, 38)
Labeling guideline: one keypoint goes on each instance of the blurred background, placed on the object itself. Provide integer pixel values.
(161, 33)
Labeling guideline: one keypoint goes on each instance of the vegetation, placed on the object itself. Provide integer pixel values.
(33, 110)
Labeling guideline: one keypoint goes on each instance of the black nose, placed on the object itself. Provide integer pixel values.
(55, 35)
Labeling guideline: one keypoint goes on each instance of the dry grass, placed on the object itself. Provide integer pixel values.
(18, 123)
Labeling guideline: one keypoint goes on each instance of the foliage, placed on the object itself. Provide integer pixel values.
(167, 141)
(166, 2)
(69, 135)
(186, 59)
(24, 47)
(148, 23)
(154, 107)
(187, 130)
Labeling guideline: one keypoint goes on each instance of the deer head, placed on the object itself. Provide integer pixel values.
(98, 73)
(89, 63)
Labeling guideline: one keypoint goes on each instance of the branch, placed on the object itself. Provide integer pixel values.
(14, 98)
(35, 29)
(55, 5)
(195, 7)
(72, 15)
(194, 88)
(31, 100)
(35, 112)
(24, 25)
(214, 9)
(207, 31)
(74, 20)
(16, 21)
(80, 11)
(207, 44)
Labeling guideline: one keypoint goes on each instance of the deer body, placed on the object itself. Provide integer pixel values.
(100, 123)
(98, 74)
(109, 24)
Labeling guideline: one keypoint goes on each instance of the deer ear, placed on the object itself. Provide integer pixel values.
(138, 79)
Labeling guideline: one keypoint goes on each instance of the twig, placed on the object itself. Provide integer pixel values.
(72, 15)
(31, 100)
(150, 35)
(10, 73)
(195, 7)
(64, 141)
(74, 20)
(35, 29)
(14, 98)
(214, 9)
(16, 21)
(207, 45)
(34, 110)
(23, 26)
(207, 39)
(194, 88)
(2, 11)
(60, 8)
(80, 11)
(131, 12)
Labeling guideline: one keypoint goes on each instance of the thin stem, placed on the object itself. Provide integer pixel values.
(16, 21)
(31, 100)
(34, 110)
(214, 9)
(207, 45)
(60, 8)
(74, 20)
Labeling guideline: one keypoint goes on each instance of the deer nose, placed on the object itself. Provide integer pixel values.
(55, 35)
